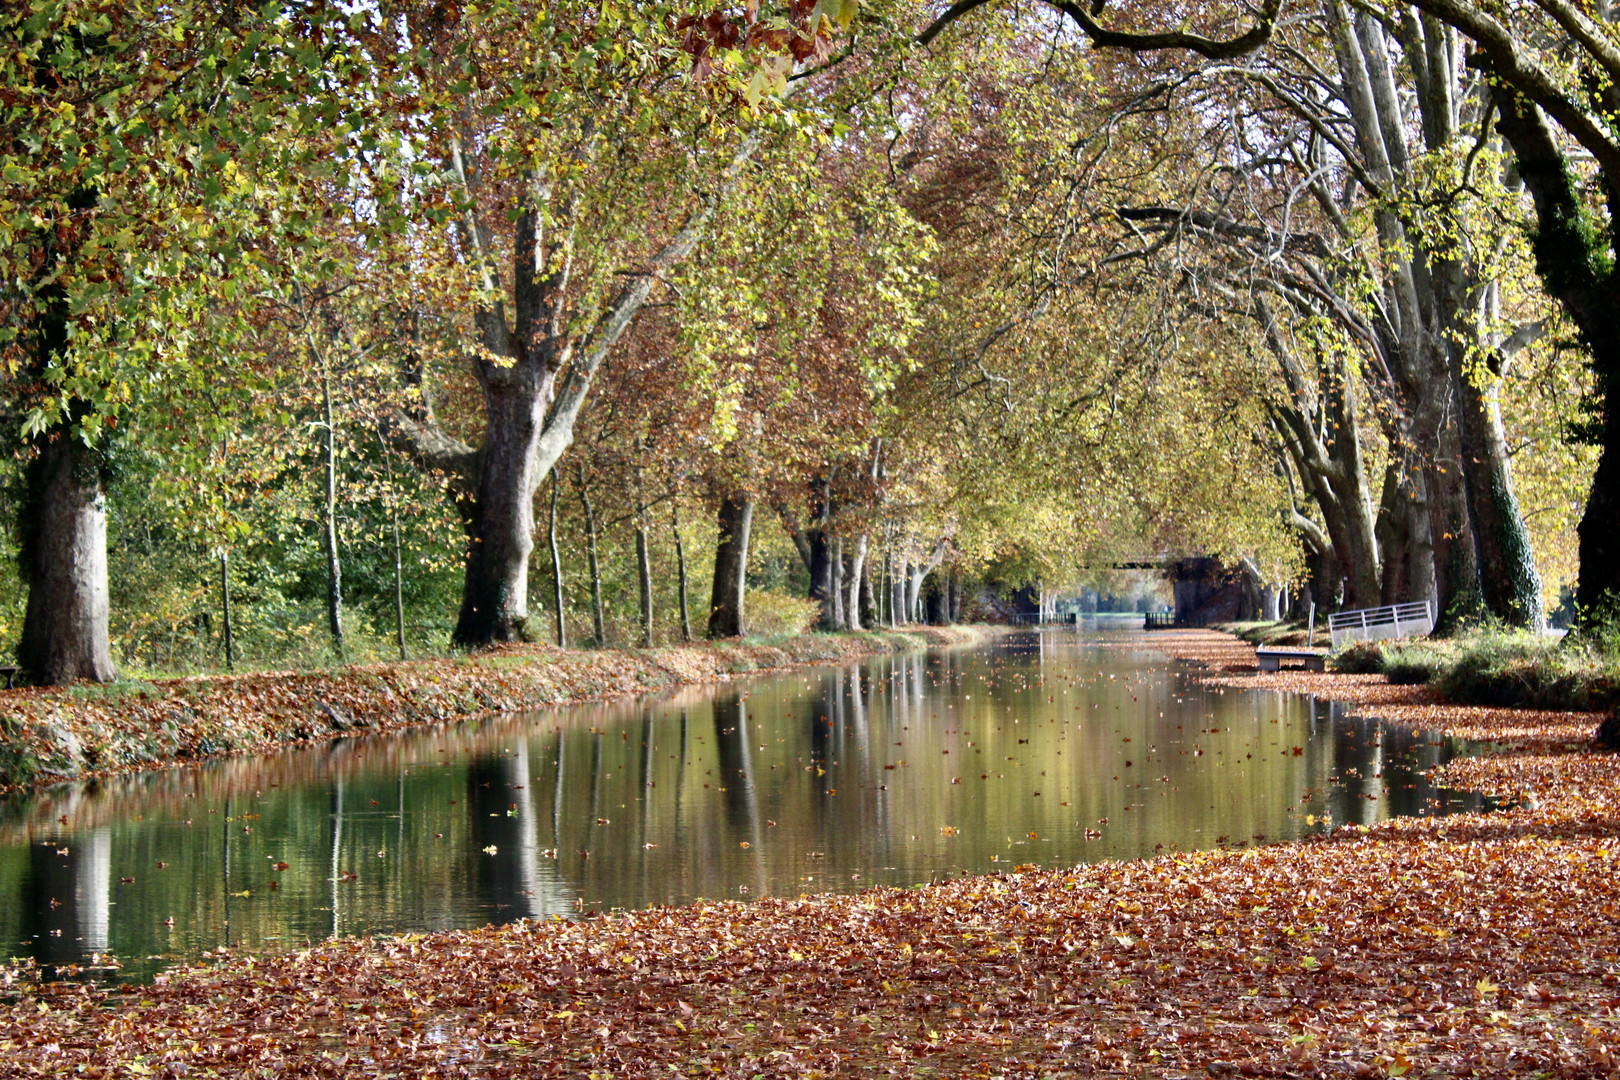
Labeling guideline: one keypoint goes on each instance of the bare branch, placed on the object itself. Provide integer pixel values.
(1104, 38)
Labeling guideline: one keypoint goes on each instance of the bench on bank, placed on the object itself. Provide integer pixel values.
(1271, 659)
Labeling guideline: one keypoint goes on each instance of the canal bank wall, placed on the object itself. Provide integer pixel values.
(54, 734)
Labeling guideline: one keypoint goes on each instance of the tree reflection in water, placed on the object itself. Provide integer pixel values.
(887, 772)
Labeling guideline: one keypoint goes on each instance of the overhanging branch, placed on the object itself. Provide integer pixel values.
(1104, 38)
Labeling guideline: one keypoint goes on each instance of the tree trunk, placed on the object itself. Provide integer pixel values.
(1393, 526)
(854, 614)
(919, 573)
(680, 568)
(1574, 265)
(556, 567)
(914, 611)
(1320, 431)
(1456, 563)
(1271, 601)
(1508, 577)
(886, 601)
(731, 567)
(225, 608)
(534, 368)
(500, 518)
(598, 616)
(399, 559)
(644, 578)
(839, 573)
(334, 565)
(1597, 594)
(64, 556)
(888, 582)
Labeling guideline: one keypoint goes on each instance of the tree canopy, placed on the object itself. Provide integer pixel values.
(330, 316)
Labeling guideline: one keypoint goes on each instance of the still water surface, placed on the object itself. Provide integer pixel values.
(1046, 749)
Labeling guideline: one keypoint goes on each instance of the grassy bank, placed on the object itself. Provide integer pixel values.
(1477, 945)
(54, 734)
(1482, 667)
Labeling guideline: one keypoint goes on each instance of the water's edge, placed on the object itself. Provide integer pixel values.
(53, 735)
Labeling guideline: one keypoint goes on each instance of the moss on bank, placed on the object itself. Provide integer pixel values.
(55, 734)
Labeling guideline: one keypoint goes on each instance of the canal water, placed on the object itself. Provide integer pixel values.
(1042, 749)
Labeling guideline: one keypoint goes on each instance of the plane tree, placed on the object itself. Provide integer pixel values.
(1552, 68)
(134, 141)
(1339, 190)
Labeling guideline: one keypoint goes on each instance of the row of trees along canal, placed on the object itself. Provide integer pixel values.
(860, 299)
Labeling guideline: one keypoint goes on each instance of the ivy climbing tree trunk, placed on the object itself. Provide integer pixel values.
(1509, 578)
(1575, 267)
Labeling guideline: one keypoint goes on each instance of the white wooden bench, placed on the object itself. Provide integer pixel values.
(1272, 659)
(1381, 623)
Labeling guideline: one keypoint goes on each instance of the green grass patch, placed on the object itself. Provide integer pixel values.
(1283, 632)
(1413, 664)
(1495, 666)
(1516, 668)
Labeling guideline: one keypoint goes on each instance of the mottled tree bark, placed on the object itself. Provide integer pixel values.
(731, 567)
(919, 573)
(1510, 582)
(500, 525)
(64, 553)
(857, 606)
(838, 572)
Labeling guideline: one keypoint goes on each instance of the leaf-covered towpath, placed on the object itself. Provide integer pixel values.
(53, 734)
(1486, 945)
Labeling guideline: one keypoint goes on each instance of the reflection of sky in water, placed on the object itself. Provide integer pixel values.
(1041, 750)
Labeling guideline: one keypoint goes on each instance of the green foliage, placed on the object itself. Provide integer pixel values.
(1412, 665)
(774, 614)
(1499, 667)
(1359, 658)
(1508, 668)
(1405, 663)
